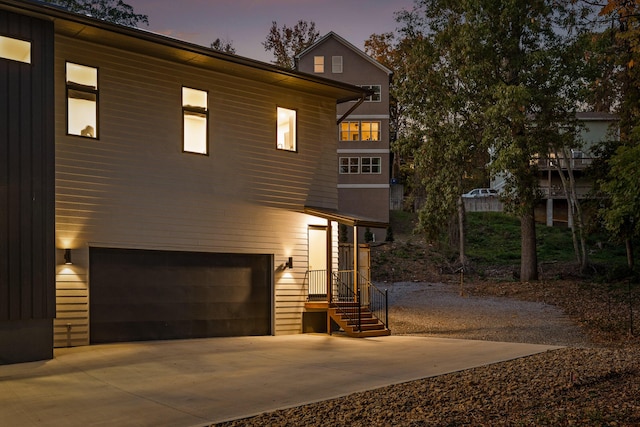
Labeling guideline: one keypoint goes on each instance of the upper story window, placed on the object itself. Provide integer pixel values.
(318, 64)
(360, 165)
(336, 64)
(82, 100)
(360, 131)
(376, 93)
(15, 50)
(286, 130)
(195, 111)
(349, 165)
(370, 165)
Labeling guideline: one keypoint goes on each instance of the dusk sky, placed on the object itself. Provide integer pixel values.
(247, 22)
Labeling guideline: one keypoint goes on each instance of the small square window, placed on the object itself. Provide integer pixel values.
(15, 50)
(286, 129)
(336, 64)
(318, 64)
(349, 165)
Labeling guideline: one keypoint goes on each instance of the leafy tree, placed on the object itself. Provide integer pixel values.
(225, 46)
(485, 75)
(287, 42)
(115, 11)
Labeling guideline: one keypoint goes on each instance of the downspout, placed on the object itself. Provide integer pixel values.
(356, 105)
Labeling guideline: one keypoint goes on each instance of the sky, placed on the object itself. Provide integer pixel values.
(246, 23)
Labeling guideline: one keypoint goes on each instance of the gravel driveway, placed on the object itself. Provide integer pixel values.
(438, 309)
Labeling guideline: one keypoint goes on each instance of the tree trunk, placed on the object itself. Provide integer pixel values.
(461, 232)
(629, 247)
(529, 256)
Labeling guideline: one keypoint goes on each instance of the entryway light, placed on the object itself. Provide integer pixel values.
(289, 263)
(67, 257)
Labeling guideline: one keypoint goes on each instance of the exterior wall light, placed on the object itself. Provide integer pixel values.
(67, 257)
(289, 263)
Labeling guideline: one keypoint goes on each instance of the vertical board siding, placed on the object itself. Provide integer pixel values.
(134, 188)
(27, 289)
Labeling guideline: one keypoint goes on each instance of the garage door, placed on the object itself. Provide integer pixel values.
(137, 295)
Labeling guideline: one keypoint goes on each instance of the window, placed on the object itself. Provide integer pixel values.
(318, 64)
(370, 165)
(349, 165)
(376, 93)
(82, 100)
(195, 113)
(336, 64)
(360, 131)
(14, 49)
(286, 136)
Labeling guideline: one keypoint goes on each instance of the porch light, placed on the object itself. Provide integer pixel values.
(67, 257)
(289, 263)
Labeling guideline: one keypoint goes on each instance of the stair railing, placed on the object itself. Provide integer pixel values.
(376, 300)
(344, 293)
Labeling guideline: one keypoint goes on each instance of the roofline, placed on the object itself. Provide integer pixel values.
(344, 218)
(347, 44)
(42, 10)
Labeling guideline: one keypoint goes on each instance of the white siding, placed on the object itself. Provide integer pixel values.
(134, 188)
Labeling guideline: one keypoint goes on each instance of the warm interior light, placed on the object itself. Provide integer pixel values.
(67, 257)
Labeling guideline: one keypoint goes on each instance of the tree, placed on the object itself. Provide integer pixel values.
(225, 46)
(486, 75)
(286, 42)
(115, 11)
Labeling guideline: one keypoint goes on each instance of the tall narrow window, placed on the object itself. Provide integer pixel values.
(195, 113)
(336, 64)
(14, 49)
(82, 100)
(286, 139)
(318, 64)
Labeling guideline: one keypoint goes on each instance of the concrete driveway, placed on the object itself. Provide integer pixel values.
(203, 381)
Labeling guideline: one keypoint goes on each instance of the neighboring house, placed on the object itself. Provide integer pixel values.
(155, 189)
(554, 209)
(363, 163)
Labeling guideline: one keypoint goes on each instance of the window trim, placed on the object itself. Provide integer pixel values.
(349, 165)
(360, 127)
(72, 86)
(317, 65)
(186, 109)
(295, 129)
(371, 165)
(337, 68)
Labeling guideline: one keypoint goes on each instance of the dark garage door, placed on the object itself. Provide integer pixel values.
(138, 295)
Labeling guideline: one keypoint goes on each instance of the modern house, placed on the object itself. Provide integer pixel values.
(156, 189)
(363, 162)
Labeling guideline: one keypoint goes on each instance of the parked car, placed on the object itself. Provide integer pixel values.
(480, 192)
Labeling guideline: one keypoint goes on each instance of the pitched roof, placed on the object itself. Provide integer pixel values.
(344, 42)
(142, 41)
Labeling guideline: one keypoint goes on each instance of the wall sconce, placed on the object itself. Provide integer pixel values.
(67, 257)
(289, 263)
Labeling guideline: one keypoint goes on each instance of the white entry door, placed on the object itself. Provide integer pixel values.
(317, 260)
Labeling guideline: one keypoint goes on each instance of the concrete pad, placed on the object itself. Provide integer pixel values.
(199, 382)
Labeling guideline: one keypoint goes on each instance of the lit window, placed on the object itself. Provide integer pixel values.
(286, 139)
(336, 64)
(14, 49)
(376, 93)
(318, 64)
(370, 165)
(349, 165)
(82, 100)
(360, 131)
(195, 115)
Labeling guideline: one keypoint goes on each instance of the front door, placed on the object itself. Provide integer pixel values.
(317, 261)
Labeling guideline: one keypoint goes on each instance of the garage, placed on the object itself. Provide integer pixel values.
(138, 295)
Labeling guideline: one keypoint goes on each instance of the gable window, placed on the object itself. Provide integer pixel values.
(82, 100)
(15, 50)
(376, 93)
(349, 165)
(286, 130)
(318, 64)
(360, 131)
(370, 165)
(195, 113)
(336, 64)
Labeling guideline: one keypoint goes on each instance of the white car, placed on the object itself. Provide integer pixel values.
(480, 192)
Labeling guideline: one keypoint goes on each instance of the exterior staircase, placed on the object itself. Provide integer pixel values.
(358, 322)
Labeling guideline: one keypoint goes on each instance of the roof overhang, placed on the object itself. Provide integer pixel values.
(145, 42)
(344, 218)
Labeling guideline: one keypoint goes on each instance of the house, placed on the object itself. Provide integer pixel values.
(156, 189)
(363, 137)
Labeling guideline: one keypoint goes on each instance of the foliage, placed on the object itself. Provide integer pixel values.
(225, 46)
(368, 235)
(343, 233)
(287, 42)
(115, 11)
(389, 237)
